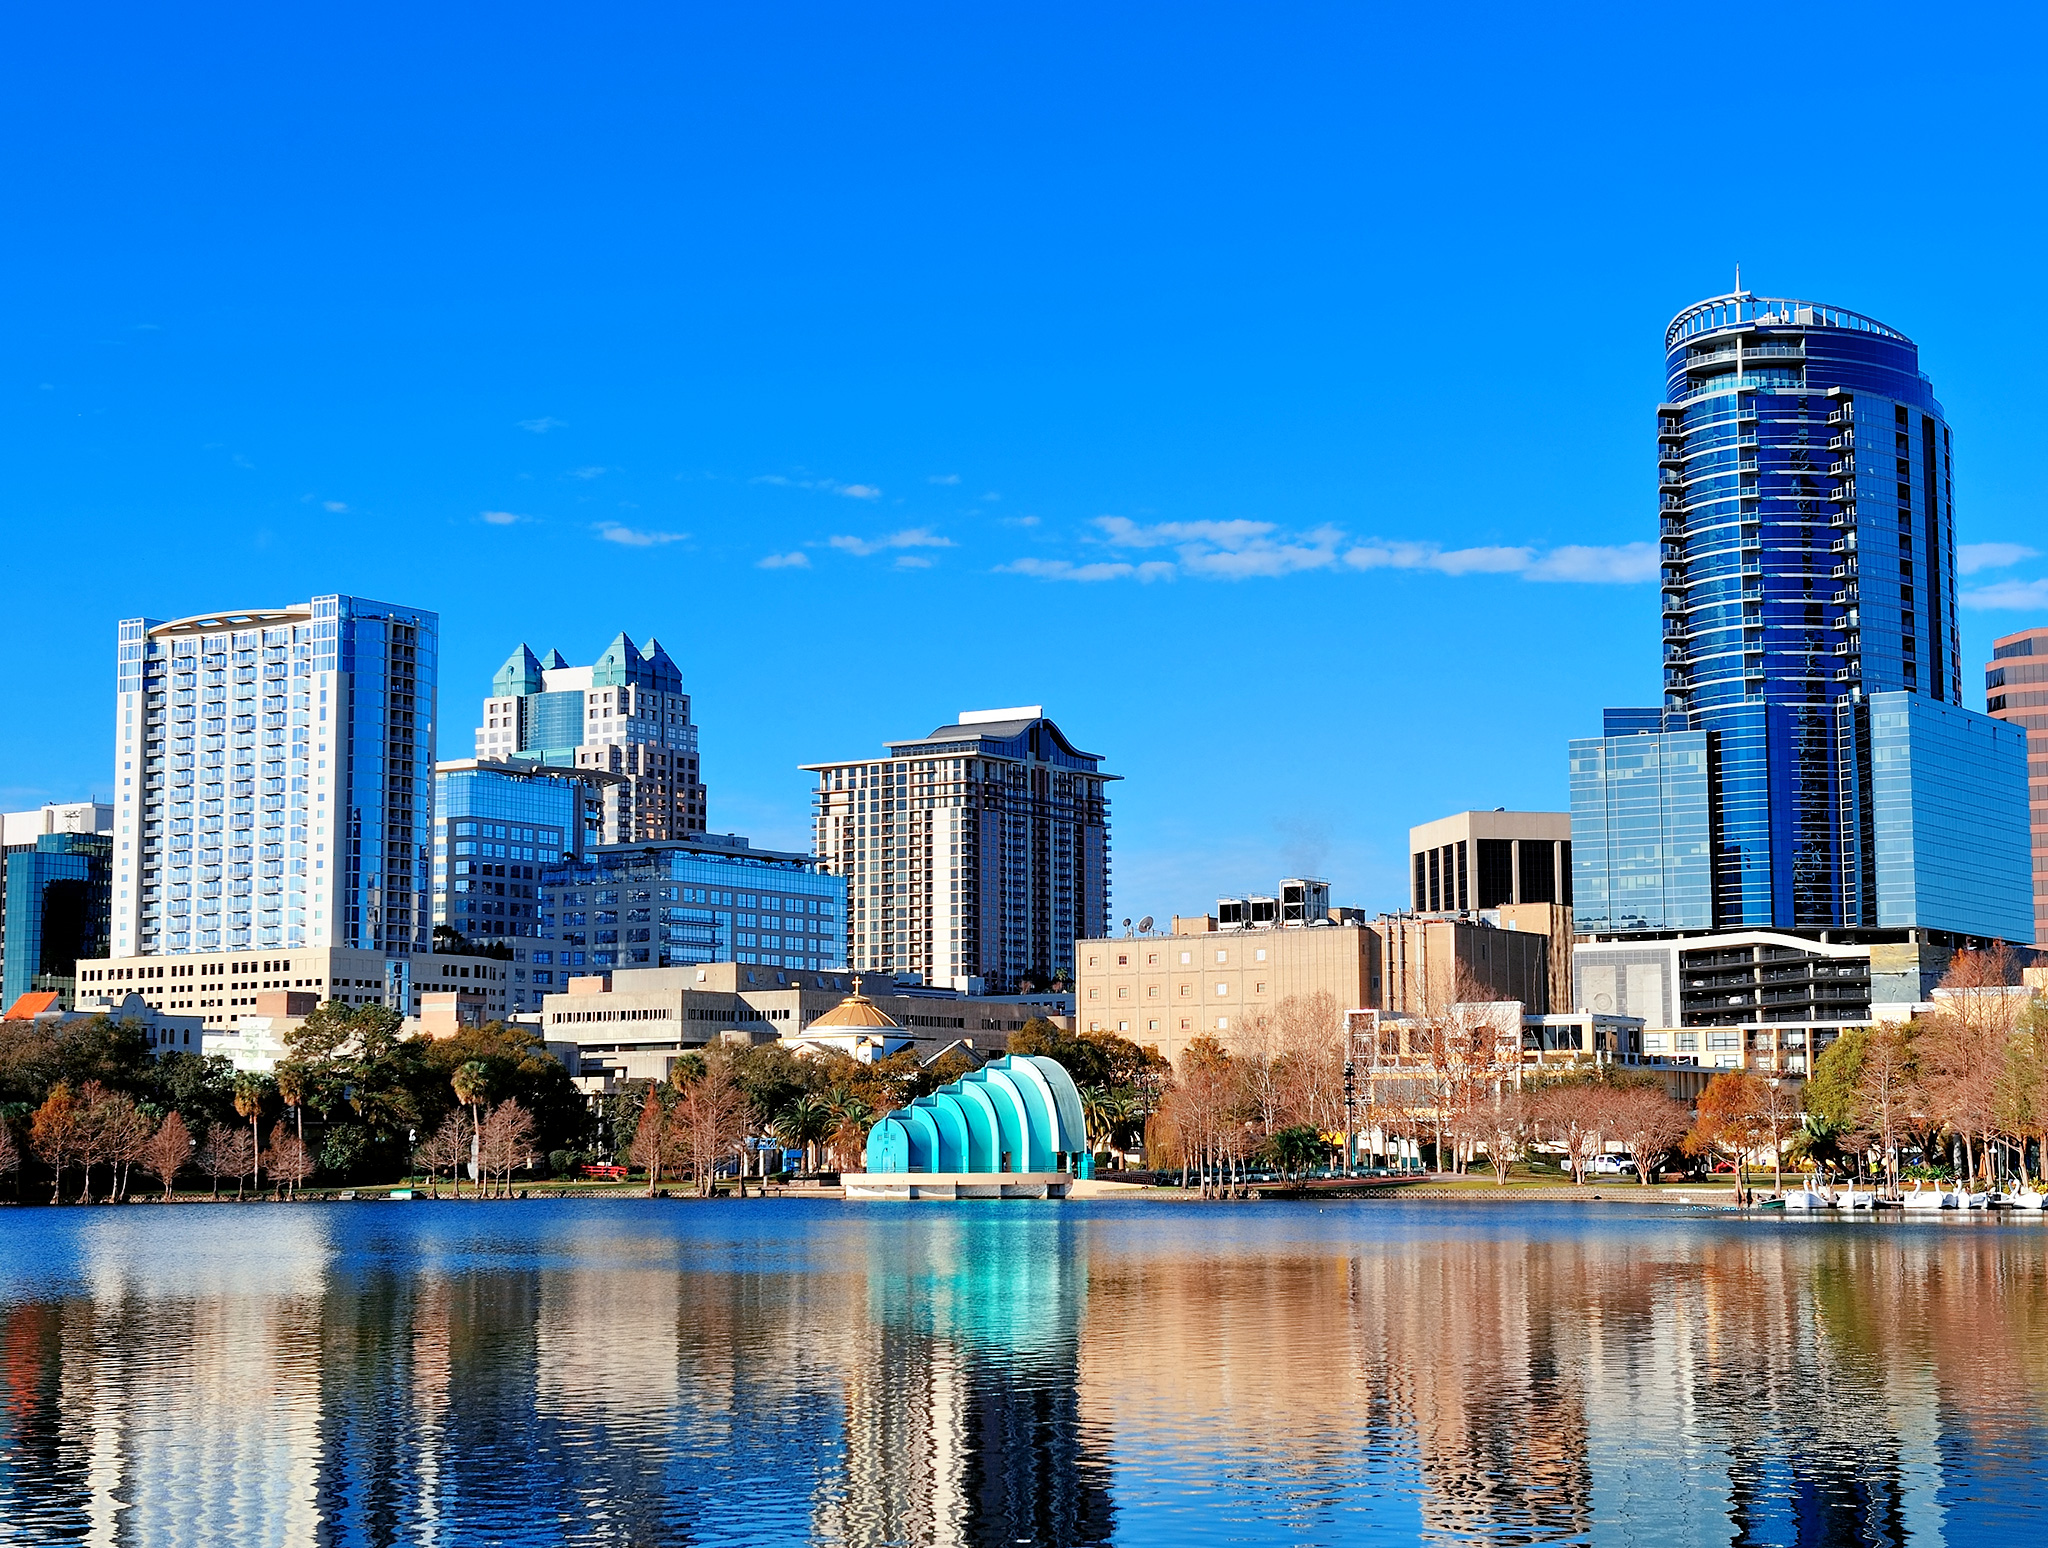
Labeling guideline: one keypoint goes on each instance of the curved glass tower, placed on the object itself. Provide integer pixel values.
(1808, 547)
(1811, 765)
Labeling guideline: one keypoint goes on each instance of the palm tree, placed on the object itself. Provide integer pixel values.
(250, 1089)
(804, 1122)
(472, 1082)
(1095, 1115)
(851, 1118)
(291, 1090)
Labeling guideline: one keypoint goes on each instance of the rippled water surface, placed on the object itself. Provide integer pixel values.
(778, 1372)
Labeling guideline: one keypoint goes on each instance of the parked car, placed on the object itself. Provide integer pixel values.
(1612, 1166)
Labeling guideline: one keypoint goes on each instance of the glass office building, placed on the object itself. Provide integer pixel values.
(1807, 566)
(497, 826)
(1641, 801)
(671, 904)
(58, 901)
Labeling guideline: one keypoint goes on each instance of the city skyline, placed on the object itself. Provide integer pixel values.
(1232, 423)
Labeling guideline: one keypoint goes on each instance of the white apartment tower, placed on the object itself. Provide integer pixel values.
(980, 851)
(626, 715)
(273, 780)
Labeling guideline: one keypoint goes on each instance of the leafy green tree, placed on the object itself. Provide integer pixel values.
(1831, 1088)
(343, 1148)
(1296, 1148)
(199, 1086)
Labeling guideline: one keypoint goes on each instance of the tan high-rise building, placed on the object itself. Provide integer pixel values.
(2016, 689)
(977, 854)
(1473, 860)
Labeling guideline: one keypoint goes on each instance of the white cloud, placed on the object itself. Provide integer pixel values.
(822, 485)
(1125, 533)
(912, 537)
(992, 497)
(333, 505)
(943, 478)
(2013, 595)
(1622, 564)
(544, 424)
(501, 518)
(1241, 549)
(1972, 557)
(796, 559)
(1066, 570)
(1618, 564)
(588, 473)
(912, 562)
(633, 537)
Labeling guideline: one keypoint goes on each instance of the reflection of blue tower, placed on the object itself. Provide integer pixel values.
(1018, 1115)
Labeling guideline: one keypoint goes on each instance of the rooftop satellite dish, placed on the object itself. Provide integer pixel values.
(1145, 925)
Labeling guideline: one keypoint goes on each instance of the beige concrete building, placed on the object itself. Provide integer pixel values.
(1202, 981)
(222, 987)
(1479, 860)
(633, 1024)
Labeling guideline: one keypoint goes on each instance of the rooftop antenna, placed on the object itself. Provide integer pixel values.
(1738, 276)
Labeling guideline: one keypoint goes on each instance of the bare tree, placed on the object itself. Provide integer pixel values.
(654, 1139)
(1310, 1075)
(1963, 1046)
(445, 1150)
(10, 1152)
(505, 1143)
(288, 1160)
(1571, 1113)
(712, 1114)
(1509, 1124)
(1649, 1123)
(1884, 1093)
(227, 1152)
(122, 1129)
(168, 1152)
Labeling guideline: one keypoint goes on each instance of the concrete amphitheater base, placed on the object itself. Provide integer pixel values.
(956, 1185)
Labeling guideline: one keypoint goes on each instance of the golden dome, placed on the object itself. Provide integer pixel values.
(856, 1011)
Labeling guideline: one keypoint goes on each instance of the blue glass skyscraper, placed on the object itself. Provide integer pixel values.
(1807, 567)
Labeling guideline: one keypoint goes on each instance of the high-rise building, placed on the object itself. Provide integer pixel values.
(273, 779)
(497, 827)
(60, 885)
(1477, 860)
(2016, 689)
(977, 853)
(1812, 766)
(627, 715)
(58, 897)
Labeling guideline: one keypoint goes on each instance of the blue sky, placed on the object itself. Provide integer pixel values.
(1266, 391)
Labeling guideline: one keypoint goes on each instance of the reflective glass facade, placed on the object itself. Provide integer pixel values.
(58, 899)
(1940, 838)
(1642, 832)
(672, 904)
(1807, 547)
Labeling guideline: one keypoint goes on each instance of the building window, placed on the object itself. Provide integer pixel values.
(1222, 1023)
(1186, 990)
(1222, 988)
(1222, 956)
(1186, 958)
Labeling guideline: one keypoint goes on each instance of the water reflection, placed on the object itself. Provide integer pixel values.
(647, 1373)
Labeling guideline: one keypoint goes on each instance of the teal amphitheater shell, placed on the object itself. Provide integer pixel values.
(1019, 1113)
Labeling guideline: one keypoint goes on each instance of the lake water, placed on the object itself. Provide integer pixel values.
(649, 1372)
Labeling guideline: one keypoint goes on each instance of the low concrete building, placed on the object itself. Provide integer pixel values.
(166, 1033)
(1480, 860)
(634, 1024)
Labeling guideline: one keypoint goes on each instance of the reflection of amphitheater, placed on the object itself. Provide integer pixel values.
(962, 1424)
